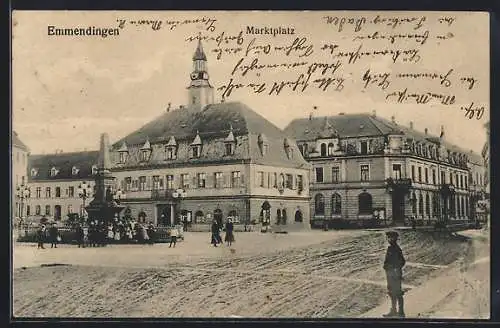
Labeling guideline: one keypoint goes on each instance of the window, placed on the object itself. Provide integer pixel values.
(330, 149)
(275, 180)
(202, 180)
(461, 181)
(170, 152)
(419, 174)
(47, 209)
(38, 210)
(235, 179)
(335, 174)
(396, 171)
(303, 149)
(465, 182)
(145, 155)
(281, 182)
(142, 183)
(38, 192)
(426, 175)
(58, 192)
(336, 204)
(185, 181)
(435, 209)
(421, 205)
(229, 148)
(34, 172)
(53, 172)
(289, 181)
(365, 203)
(364, 147)
(123, 157)
(218, 180)
(319, 205)
(319, 174)
(156, 182)
(170, 181)
(70, 209)
(300, 183)
(364, 172)
(413, 173)
(28, 208)
(47, 192)
(443, 177)
(260, 179)
(414, 203)
(323, 149)
(71, 191)
(94, 169)
(433, 176)
(451, 178)
(195, 151)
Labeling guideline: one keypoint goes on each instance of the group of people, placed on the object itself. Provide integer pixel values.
(99, 234)
(51, 234)
(216, 237)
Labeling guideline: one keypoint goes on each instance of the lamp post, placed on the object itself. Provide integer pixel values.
(84, 192)
(22, 193)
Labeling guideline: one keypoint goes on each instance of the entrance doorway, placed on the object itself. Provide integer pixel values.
(398, 207)
(164, 215)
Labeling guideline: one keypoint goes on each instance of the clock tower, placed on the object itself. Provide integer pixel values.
(200, 92)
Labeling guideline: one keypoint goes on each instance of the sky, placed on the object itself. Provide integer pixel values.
(67, 90)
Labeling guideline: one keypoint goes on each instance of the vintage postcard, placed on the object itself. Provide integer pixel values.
(258, 164)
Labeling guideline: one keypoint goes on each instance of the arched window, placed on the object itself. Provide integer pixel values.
(365, 203)
(319, 205)
(420, 205)
(330, 149)
(278, 216)
(336, 204)
(38, 210)
(427, 205)
(323, 149)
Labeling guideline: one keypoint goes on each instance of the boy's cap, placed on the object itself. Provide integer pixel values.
(392, 234)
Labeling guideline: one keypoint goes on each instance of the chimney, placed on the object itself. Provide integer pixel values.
(442, 132)
(426, 131)
(104, 162)
(393, 119)
(374, 113)
(411, 125)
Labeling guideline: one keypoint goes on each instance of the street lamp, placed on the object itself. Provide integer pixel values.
(177, 194)
(22, 192)
(84, 192)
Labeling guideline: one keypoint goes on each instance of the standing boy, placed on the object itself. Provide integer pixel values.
(393, 266)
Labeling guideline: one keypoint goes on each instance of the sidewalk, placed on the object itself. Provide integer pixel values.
(434, 297)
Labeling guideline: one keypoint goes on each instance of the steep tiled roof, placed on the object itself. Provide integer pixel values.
(16, 142)
(349, 125)
(64, 163)
(215, 121)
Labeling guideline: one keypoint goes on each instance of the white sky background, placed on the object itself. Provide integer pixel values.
(69, 89)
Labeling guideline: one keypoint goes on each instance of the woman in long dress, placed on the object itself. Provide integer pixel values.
(229, 239)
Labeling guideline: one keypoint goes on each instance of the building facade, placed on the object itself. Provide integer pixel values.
(19, 169)
(55, 184)
(366, 167)
(207, 161)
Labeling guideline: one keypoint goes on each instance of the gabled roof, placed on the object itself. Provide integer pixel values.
(16, 142)
(64, 162)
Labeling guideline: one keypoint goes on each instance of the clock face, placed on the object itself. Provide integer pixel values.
(194, 76)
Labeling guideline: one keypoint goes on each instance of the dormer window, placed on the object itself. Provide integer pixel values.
(288, 148)
(331, 149)
(263, 145)
(196, 146)
(53, 172)
(364, 147)
(123, 153)
(230, 142)
(94, 169)
(171, 149)
(145, 151)
(34, 172)
(74, 170)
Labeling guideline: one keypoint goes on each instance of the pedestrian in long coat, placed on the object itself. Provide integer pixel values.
(229, 239)
(40, 237)
(215, 233)
(53, 234)
(80, 236)
(393, 266)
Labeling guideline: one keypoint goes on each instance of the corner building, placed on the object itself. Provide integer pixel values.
(208, 161)
(365, 166)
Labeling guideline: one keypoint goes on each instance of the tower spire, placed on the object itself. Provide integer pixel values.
(200, 92)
